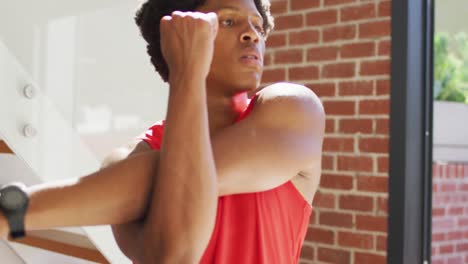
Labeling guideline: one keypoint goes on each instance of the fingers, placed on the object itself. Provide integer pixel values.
(165, 21)
(211, 17)
(197, 18)
(166, 18)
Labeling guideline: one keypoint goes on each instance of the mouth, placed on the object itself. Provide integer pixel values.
(250, 56)
(252, 59)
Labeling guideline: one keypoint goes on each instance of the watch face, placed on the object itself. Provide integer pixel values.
(12, 198)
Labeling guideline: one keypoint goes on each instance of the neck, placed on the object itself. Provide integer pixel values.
(223, 109)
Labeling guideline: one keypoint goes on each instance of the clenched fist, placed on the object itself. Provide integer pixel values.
(187, 42)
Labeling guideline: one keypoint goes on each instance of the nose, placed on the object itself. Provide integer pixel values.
(250, 35)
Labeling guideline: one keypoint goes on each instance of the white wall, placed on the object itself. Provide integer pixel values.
(88, 59)
(91, 61)
(450, 140)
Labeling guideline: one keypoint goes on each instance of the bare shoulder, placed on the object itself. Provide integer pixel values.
(289, 91)
(291, 102)
(129, 149)
(298, 109)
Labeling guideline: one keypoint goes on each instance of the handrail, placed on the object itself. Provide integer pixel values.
(4, 149)
(63, 248)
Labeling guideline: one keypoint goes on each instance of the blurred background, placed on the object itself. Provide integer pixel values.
(450, 142)
(75, 84)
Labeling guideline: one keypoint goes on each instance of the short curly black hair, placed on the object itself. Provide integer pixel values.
(150, 12)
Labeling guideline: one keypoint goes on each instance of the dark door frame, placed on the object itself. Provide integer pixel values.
(410, 163)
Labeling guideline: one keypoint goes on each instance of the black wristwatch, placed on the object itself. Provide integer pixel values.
(14, 203)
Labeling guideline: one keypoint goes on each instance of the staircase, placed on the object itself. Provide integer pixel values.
(38, 145)
(58, 60)
(70, 242)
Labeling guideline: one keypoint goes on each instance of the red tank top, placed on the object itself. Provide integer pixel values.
(264, 227)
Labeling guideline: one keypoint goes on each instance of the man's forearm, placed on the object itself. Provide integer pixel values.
(121, 193)
(114, 195)
(183, 207)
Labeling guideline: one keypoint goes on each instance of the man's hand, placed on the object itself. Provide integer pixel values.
(187, 42)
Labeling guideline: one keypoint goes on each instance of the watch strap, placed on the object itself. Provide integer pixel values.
(16, 223)
(18, 234)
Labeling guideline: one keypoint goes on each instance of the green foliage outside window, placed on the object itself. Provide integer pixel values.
(451, 67)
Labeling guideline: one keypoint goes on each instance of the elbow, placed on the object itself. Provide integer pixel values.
(128, 238)
(180, 257)
(158, 251)
(172, 256)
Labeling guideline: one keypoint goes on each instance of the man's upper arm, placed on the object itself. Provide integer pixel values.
(280, 137)
(134, 147)
(127, 235)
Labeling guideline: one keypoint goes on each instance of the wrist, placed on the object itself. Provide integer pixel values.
(188, 87)
(187, 75)
(3, 226)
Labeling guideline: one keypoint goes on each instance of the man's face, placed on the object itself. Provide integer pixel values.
(239, 46)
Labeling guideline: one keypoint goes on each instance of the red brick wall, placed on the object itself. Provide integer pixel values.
(341, 50)
(450, 213)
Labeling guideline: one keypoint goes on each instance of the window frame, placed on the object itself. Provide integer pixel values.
(411, 108)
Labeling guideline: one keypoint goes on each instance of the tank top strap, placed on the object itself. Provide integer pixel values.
(249, 108)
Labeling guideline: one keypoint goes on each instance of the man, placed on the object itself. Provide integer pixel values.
(225, 184)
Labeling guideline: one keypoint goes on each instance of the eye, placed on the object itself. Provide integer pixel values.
(228, 22)
(260, 30)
